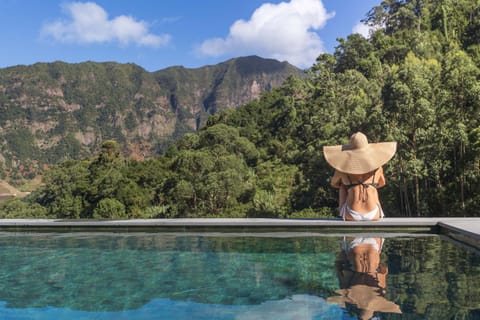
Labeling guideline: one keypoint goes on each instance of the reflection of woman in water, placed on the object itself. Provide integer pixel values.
(358, 174)
(362, 278)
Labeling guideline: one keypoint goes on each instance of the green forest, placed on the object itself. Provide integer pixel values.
(415, 80)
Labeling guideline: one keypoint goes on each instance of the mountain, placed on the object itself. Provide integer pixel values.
(204, 91)
(51, 112)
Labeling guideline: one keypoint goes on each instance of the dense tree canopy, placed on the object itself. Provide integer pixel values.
(415, 80)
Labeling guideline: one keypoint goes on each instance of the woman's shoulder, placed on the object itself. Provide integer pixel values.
(348, 178)
(375, 174)
(339, 174)
(338, 179)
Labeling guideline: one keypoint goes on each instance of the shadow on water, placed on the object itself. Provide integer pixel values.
(214, 276)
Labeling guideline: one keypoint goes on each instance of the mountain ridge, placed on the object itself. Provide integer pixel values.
(51, 112)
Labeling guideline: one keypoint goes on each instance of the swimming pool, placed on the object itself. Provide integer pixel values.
(235, 276)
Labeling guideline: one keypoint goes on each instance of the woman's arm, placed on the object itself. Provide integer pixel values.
(381, 178)
(342, 190)
(336, 181)
(342, 197)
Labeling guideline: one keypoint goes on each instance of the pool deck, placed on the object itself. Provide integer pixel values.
(464, 230)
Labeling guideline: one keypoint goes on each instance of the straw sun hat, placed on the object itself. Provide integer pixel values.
(359, 156)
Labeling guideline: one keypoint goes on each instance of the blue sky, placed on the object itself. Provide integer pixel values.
(156, 34)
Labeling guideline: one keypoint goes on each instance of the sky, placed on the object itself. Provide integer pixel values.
(156, 34)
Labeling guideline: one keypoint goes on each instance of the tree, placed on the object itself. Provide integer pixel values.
(400, 15)
(65, 191)
(411, 96)
(462, 100)
(191, 168)
(18, 209)
(357, 53)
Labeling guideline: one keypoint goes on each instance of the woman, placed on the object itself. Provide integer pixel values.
(358, 175)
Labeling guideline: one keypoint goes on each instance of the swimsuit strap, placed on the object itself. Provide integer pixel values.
(371, 184)
(364, 186)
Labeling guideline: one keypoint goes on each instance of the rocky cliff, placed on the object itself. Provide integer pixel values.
(50, 112)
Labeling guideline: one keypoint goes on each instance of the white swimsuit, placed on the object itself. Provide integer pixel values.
(368, 216)
(360, 240)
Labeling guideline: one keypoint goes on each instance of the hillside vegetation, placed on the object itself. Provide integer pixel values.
(52, 112)
(415, 81)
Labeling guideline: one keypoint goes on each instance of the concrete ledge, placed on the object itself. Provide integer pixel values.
(183, 224)
(466, 230)
(244, 222)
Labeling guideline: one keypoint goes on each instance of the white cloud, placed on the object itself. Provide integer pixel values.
(363, 29)
(284, 31)
(89, 23)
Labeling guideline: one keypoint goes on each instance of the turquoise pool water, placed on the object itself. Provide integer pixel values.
(228, 276)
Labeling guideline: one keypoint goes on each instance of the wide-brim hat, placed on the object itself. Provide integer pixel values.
(359, 156)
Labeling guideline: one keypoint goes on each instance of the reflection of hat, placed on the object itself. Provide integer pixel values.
(365, 298)
(359, 156)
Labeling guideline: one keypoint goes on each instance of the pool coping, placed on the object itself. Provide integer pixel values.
(464, 230)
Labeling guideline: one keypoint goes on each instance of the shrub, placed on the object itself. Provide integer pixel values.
(109, 209)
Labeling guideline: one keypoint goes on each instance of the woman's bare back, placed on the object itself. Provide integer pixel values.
(359, 190)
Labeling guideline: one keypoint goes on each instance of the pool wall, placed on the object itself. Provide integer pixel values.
(463, 230)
